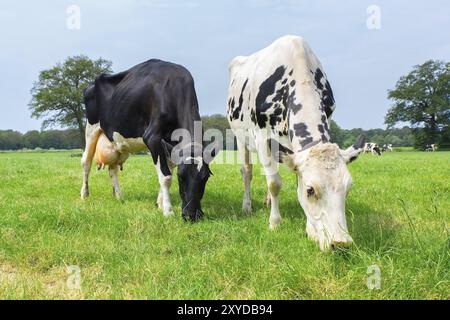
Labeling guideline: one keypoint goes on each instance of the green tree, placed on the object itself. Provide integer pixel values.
(31, 139)
(337, 134)
(422, 98)
(10, 140)
(57, 97)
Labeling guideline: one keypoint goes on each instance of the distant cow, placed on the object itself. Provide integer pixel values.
(372, 147)
(279, 105)
(387, 147)
(137, 110)
(431, 147)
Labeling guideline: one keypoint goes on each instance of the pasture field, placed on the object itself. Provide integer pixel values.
(398, 214)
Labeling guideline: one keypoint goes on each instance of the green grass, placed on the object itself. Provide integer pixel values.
(398, 213)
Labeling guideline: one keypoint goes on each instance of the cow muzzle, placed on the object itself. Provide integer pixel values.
(192, 215)
(343, 241)
(329, 240)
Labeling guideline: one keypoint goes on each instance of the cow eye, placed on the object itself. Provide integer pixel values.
(310, 192)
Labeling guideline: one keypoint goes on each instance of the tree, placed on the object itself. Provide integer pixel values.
(10, 140)
(31, 139)
(422, 98)
(57, 97)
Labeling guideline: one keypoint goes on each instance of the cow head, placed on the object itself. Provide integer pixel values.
(323, 185)
(193, 173)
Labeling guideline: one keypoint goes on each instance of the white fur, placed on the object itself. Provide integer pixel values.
(165, 182)
(128, 145)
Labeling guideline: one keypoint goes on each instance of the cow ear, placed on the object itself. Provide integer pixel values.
(352, 153)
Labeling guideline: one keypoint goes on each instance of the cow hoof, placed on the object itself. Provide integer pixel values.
(247, 207)
(117, 195)
(168, 213)
(273, 227)
(274, 223)
(84, 193)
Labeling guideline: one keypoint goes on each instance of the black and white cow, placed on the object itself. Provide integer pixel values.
(387, 147)
(373, 148)
(139, 109)
(279, 105)
(431, 147)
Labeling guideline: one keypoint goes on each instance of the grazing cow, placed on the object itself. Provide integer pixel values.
(387, 147)
(431, 147)
(279, 105)
(137, 110)
(372, 147)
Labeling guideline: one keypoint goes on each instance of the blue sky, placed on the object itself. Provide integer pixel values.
(204, 35)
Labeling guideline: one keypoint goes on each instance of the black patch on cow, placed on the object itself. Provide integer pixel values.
(237, 111)
(253, 116)
(301, 130)
(327, 99)
(291, 72)
(322, 132)
(306, 141)
(284, 81)
(266, 89)
(291, 134)
(318, 76)
(295, 107)
(352, 159)
(281, 95)
(377, 150)
(292, 83)
(231, 107)
(326, 94)
(324, 129)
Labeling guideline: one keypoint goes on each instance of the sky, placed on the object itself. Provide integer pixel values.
(361, 62)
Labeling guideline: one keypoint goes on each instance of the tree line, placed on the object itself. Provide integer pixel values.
(69, 139)
(49, 139)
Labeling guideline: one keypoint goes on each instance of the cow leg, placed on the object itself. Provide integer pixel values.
(92, 134)
(247, 172)
(267, 199)
(113, 172)
(274, 186)
(165, 182)
(273, 179)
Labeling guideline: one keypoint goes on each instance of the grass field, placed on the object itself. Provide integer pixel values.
(398, 214)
